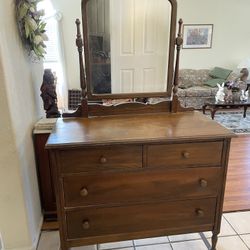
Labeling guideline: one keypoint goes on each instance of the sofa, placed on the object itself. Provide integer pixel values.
(192, 91)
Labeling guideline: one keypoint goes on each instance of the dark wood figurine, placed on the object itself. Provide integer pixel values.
(48, 95)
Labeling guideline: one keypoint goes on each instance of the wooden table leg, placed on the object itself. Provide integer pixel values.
(245, 112)
(213, 111)
(204, 109)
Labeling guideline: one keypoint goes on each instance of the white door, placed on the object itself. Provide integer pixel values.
(139, 45)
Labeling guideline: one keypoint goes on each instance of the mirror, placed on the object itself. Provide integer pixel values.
(128, 47)
(151, 20)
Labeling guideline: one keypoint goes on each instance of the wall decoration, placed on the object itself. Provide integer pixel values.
(31, 26)
(197, 36)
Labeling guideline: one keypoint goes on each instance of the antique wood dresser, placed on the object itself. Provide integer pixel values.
(136, 170)
(127, 177)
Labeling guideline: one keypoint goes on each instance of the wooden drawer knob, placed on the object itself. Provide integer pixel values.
(203, 183)
(103, 160)
(200, 213)
(84, 192)
(85, 225)
(186, 155)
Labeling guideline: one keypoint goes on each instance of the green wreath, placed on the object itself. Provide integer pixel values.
(31, 26)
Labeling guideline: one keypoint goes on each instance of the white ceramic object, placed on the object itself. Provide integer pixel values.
(220, 95)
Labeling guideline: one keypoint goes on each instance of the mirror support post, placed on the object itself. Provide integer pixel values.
(179, 41)
(82, 110)
(79, 44)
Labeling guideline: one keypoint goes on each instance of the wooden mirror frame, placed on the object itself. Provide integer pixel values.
(88, 109)
(91, 96)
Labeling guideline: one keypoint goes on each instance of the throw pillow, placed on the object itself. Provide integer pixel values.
(213, 82)
(221, 73)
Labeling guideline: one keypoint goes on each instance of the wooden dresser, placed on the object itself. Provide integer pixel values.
(41, 134)
(127, 177)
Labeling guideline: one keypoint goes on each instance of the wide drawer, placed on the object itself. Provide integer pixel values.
(97, 158)
(143, 217)
(110, 188)
(185, 154)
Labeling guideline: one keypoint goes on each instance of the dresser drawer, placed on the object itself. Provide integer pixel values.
(143, 217)
(184, 155)
(140, 186)
(98, 158)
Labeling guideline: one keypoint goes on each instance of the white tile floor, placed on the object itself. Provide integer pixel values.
(235, 235)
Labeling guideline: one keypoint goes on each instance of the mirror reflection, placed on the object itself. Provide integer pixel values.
(128, 45)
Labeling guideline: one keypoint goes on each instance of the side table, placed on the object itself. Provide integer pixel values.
(41, 133)
(213, 106)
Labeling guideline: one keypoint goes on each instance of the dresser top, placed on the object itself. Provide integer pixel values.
(160, 127)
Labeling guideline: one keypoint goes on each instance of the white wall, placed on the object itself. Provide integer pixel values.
(231, 37)
(20, 108)
(70, 11)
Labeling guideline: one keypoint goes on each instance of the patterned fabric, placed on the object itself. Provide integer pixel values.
(192, 92)
(192, 77)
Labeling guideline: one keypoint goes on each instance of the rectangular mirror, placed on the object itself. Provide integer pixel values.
(128, 47)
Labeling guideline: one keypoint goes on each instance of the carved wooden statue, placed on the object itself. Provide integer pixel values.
(48, 95)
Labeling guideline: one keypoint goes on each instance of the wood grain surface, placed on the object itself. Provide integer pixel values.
(146, 217)
(115, 188)
(134, 129)
(237, 196)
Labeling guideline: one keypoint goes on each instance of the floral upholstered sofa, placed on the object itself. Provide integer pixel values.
(192, 91)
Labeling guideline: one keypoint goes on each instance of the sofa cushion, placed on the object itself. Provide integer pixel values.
(213, 82)
(186, 86)
(214, 91)
(181, 92)
(232, 77)
(198, 91)
(221, 73)
(196, 103)
(193, 77)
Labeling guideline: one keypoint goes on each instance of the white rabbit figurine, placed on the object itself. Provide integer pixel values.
(244, 95)
(220, 95)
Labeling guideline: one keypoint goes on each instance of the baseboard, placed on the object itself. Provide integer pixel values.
(34, 243)
(38, 233)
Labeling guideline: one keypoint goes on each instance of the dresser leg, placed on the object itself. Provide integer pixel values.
(63, 246)
(214, 240)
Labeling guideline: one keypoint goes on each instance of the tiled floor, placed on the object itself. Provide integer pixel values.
(235, 234)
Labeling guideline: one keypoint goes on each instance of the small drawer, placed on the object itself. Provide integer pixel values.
(185, 155)
(100, 158)
(142, 186)
(167, 216)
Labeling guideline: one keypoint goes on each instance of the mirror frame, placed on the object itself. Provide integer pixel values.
(170, 78)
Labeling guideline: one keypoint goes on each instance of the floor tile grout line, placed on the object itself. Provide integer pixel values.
(178, 241)
(236, 233)
(231, 225)
(133, 242)
(171, 246)
(205, 241)
(118, 248)
(244, 242)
